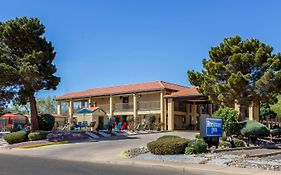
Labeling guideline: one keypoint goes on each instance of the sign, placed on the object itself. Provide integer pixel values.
(213, 127)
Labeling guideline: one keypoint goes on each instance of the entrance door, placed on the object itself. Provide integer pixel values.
(101, 122)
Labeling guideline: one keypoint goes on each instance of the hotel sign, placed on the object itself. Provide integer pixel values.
(213, 127)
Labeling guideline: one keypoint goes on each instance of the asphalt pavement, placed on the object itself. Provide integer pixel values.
(96, 151)
(22, 165)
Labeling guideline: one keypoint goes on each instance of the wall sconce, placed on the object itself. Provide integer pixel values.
(139, 96)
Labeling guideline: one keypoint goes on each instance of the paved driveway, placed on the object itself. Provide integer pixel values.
(15, 165)
(97, 151)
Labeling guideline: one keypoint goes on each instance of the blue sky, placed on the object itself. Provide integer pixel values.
(111, 42)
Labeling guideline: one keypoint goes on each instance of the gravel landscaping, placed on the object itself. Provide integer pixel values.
(220, 159)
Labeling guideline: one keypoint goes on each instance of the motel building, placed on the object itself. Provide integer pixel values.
(176, 107)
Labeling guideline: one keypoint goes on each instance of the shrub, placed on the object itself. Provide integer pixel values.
(168, 146)
(16, 137)
(199, 146)
(37, 135)
(237, 143)
(189, 150)
(46, 122)
(225, 144)
(223, 138)
(168, 137)
(230, 120)
(253, 129)
(275, 132)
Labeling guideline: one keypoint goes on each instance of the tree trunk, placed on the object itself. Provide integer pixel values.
(34, 112)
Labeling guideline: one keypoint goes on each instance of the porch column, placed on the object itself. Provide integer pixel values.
(59, 108)
(135, 109)
(188, 114)
(162, 117)
(251, 111)
(70, 112)
(254, 111)
(193, 114)
(237, 107)
(90, 102)
(110, 106)
(165, 114)
(171, 116)
(210, 109)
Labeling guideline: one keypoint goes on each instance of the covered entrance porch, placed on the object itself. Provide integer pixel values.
(184, 112)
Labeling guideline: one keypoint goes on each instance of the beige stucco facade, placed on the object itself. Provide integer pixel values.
(253, 110)
(171, 112)
(131, 104)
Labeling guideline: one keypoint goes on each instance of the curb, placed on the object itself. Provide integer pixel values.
(135, 134)
(40, 145)
(266, 154)
(236, 149)
(187, 167)
(123, 155)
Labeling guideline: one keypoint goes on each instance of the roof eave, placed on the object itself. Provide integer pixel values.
(108, 94)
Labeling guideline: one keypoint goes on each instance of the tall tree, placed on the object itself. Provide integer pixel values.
(26, 61)
(47, 105)
(276, 107)
(19, 108)
(245, 71)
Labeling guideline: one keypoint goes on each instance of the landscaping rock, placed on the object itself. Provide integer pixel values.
(241, 160)
(131, 153)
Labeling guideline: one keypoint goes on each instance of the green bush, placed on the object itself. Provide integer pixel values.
(16, 137)
(253, 129)
(168, 146)
(46, 122)
(37, 135)
(168, 137)
(225, 144)
(189, 150)
(237, 143)
(199, 146)
(276, 132)
(223, 138)
(230, 120)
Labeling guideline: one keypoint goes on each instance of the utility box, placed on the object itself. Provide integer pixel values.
(211, 130)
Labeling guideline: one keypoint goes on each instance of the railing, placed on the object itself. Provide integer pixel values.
(105, 107)
(123, 107)
(149, 105)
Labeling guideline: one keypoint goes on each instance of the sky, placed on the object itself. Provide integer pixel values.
(112, 42)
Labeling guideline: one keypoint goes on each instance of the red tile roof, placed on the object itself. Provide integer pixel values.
(129, 88)
(193, 91)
